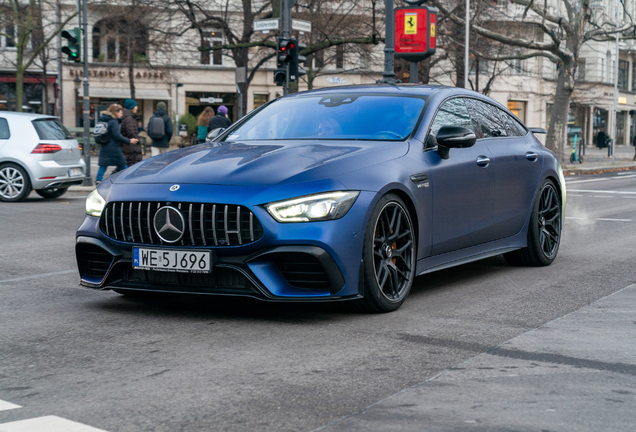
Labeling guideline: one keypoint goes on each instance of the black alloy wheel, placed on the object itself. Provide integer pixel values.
(389, 256)
(51, 193)
(544, 232)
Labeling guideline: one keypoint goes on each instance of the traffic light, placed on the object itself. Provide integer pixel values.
(283, 56)
(295, 70)
(73, 47)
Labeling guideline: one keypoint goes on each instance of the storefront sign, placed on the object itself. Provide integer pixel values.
(114, 73)
(415, 32)
(622, 100)
(211, 100)
(336, 80)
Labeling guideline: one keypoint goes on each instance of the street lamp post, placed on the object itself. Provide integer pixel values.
(466, 42)
(615, 132)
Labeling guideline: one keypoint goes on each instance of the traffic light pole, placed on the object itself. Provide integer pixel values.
(88, 180)
(388, 76)
(286, 22)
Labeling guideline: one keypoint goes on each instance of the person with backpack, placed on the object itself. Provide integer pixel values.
(220, 120)
(129, 129)
(110, 153)
(160, 130)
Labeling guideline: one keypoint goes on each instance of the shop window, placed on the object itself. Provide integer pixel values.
(260, 99)
(115, 39)
(519, 109)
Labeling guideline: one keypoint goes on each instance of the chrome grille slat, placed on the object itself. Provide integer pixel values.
(118, 222)
(201, 219)
(130, 222)
(139, 223)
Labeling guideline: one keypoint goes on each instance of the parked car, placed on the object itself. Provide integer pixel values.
(37, 153)
(346, 193)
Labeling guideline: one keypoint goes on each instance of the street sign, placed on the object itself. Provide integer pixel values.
(211, 100)
(301, 26)
(241, 75)
(415, 32)
(266, 25)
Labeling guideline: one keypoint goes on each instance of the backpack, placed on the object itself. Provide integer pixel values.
(156, 127)
(101, 133)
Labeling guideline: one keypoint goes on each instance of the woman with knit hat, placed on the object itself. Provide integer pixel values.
(132, 152)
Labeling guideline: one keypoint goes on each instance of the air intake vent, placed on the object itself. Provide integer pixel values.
(301, 270)
(93, 261)
(204, 224)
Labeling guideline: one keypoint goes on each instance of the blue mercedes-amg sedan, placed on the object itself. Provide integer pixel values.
(346, 193)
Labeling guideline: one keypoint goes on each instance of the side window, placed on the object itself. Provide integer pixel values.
(452, 113)
(4, 129)
(490, 121)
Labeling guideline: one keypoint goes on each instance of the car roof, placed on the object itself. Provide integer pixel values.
(423, 90)
(26, 115)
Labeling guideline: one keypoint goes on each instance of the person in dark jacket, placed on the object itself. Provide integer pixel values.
(220, 120)
(129, 129)
(600, 139)
(110, 154)
(162, 145)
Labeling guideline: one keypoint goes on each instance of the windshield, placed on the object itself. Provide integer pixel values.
(51, 129)
(341, 117)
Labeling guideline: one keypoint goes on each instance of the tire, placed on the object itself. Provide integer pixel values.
(51, 193)
(388, 253)
(544, 232)
(15, 184)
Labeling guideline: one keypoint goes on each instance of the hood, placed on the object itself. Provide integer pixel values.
(106, 116)
(160, 112)
(261, 163)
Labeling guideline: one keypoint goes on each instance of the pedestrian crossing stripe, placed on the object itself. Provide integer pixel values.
(47, 424)
(8, 406)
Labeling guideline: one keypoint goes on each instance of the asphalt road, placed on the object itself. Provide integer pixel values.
(192, 364)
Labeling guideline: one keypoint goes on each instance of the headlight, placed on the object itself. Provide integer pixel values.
(95, 204)
(310, 208)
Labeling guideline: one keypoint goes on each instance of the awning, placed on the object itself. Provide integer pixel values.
(124, 93)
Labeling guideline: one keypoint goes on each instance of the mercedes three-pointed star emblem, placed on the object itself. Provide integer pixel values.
(169, 224)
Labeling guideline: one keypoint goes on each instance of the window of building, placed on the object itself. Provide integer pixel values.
(339, 56)
(608, 65)
(319, 59)
(623, 72)
(634, 76)
(212, 38)
(516, 67)
(8, 40)
(518, 108)
(115, 39)
(260, 99)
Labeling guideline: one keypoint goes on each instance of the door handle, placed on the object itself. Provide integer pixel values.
(483, 161)
(531, 156)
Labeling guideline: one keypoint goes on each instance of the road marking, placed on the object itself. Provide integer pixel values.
(47, 424)
(601, 179)
(602, 196)
(41, 275)
(574, 217)
(573, 195)
(4, 405)
(614, 220)
(605, 192)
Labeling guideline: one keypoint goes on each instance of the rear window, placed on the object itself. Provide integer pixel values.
(51, 129)
(4, 129)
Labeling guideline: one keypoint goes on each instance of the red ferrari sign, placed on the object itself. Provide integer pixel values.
(415, 32)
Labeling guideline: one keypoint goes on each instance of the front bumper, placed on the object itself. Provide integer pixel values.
(290, 262)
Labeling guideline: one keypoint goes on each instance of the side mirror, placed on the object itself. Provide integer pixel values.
(449, 137)
(214, 133)
(538, 130)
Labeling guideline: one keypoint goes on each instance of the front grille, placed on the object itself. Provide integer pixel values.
(94, 261)
(205, 224)
(301, 270)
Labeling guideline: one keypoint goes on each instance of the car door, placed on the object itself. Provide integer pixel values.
(517, 165)
(4, 133)
(463, 186)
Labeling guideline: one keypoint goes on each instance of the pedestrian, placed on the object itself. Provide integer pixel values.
(634, 141)
(160, 130)
(110, 154)
(129, 129)
(202, 122)
(600, 139)
(220, 120)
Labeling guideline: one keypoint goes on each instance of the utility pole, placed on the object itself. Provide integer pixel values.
(88, 180)
(60, 97)
(615, 88)
(388, 76)
(466, 42)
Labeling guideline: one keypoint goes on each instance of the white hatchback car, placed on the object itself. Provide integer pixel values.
(37, 153)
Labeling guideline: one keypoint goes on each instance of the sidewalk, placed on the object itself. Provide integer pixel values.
(577, 373)
(596, 161)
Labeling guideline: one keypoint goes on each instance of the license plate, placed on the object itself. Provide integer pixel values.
(74, 172)
(172, 260)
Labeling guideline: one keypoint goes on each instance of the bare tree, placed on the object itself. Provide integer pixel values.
(25, 20)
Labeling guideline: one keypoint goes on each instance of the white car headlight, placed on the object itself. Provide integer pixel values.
(95, 204)
(311, 208)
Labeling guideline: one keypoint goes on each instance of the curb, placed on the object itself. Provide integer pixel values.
(597, 170)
